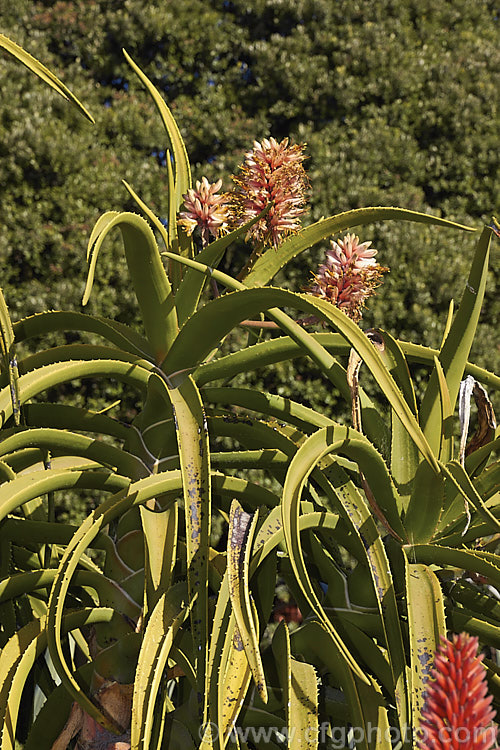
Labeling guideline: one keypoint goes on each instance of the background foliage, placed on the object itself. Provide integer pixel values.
(398, 103)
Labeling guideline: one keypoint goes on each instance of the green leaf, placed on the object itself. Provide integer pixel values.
(116, 333)
(242, 527)
(220, 640)
(366, 705)
(182, 168)
(300, 694)
(51, 719)
(194, 454)
(36, 484)
(426, 504)
(151, 216)
(371, 553)
(206, 329)
(191, 287)
(150, 281)
(43, 73)
(266, 267)
(74, 352)
(300, 467)
(18, 656)
(454, 354)
(462, 619)
(163, 624)
(302, 417)
(68, 417)
(283, 348)
(404, 455)
(62, 441)
(463, 483)
(109, 593)
(37, 381)
(160, 529)
(8, 351)
(479, 562)
(426, 623)
(236, 679)
(446, 447)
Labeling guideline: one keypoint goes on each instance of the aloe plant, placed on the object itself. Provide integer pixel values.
(135, 627)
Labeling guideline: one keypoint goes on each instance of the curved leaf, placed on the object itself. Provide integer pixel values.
(17, 658)
(283, 348)
(43, 73)
(454, 354)
(345, 440)
(73, 444)
(194, 454)
(427, 624)
(404, 454)
(433, 554)
(236, 679)
(74, 352)
(300, 694)
(116, 333)
(240, 536)
(182, 168)
(29, 486)
(36, 381)
(165, 620)
(8, 352)
(301, 416)
(151, 216)
(270, 262)
(68, 417)
(463, 483)
(206, 329)
(150, 281)
(191, 287)
(366, 706)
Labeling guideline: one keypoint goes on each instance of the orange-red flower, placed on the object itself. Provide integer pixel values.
(206, 209)
(271, 173)
(457, 713)
(349, 275)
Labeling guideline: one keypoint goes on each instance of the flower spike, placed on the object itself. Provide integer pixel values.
(206, 209)
(271, 173)
(457, 713)
(349, 275)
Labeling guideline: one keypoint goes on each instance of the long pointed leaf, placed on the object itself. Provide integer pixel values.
(272, 260)
(454, 354)
(204, 331)
(150, 281)
(427, 623)
(43, 73)
(182, 168)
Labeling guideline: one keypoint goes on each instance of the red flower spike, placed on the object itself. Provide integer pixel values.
(457, 713)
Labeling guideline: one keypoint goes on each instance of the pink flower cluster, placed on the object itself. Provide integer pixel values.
(272, 173)
(205, 208)
(457, 713)
(349, 275)
(272, 176)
